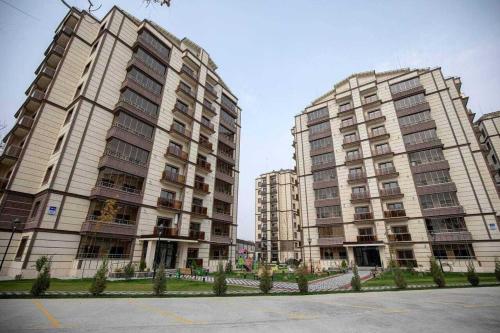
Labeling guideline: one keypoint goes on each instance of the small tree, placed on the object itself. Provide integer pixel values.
(355, 280)
(100, 279)
(229, 267)
(410, 267)
(302, 282)
(399, 278)
(129, 271)
(266, 282)
(142, 265)
(160, 281)
(220, 284)
(42, 282)
(472, 276)
(437, 273)
(497, 269)
(343, 266)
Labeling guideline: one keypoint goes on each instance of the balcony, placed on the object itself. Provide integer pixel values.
(451, 236)
(371, 102)
(366, 238)
(226, 157)
(228, 122)
(320, 135)
(135, 111)
(386, 172)
(222, 216)
(402, 237)
(157, 52)
(228, 141)
(23, 126)
(360, 196)
(53, 55)
(201, 187)
(394, 213)
(222, 196)
(114, 191)
(413, 91)
(199, 210)
(209, 108)
(63, 36)
(128, 135)
(44, 76)
(35, 98)
(440, 211)
(173, 178)
(205, 144)
(169, 204)
(363, 216)
(126, 164)
(418, 126)
(203, 165)
(391, 192)
(220, 239)
(186, 91)
(180, 131)
(431, 143)
(207, 125)
(212, 93)
(177, 153)
(330, 241)
(311, 122)
(228, 178)
(356, 177)
(133, 84)
(346, 109)
(117, 227)
(166, 232)
(382, 152)
(348, 125)
(374, 119)
(353, 158)
(378, 135)
(351, 141)
(189, 74)
(146, 68)
(413, 109)
(196, 235)
(229, 107)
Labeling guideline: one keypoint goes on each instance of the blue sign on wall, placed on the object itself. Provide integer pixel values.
(52, 210)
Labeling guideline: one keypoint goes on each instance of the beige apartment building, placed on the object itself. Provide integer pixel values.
(488, 129)
(126, 148)
(389, 168)
(277, 227)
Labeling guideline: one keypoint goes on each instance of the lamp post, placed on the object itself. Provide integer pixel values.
(230, 250)
(160, 231)
(14, 226)
(309, 240)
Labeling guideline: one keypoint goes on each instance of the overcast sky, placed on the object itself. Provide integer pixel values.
(277, 56)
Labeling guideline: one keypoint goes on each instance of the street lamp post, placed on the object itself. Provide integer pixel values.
(309, 240)
(230, 250)
(14, 226)
(160, 231)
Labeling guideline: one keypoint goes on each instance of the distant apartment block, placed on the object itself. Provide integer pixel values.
(277, 227)
(389, 168)
(120, 109)
(488, 127)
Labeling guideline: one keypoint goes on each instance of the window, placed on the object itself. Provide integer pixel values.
(347, 122)
(362, 209)
(134, 125)
(321, 143)
(351, 137)
(144, 80)
(365, 231)
(316, 114)
(453, 251)
(380, 130)
(390, 185)
(140, 102)
(171, 170)
(420, 137)
(437, 200)
(450, 224)
(321, 127)
(405, 85)
(426, 156)
(353, 154)
(370, 98)
(395, 206)
(328, 174)
(167, 195)
(400, 229)
(432, 177)
(58, 144)
(326, 193)
(127, 152)
(353, 172)
(415, 118)
(409, 101)
(374, 114)
(68, 116)
(327, 232)
(382, 148)
(359, 190)
(386, 166)
(118, 180)
(228, 103)
(35, 209)
(331, 253)
(327, 212)
(150, 61)
(160, 47)
(344, 107)
(322, 159)
(20, 249)
(218, 252)
(48, 173)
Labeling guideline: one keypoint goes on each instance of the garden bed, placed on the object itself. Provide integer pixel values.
(387, 279)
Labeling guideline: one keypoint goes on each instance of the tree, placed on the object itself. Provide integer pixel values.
(472, 276)
(399, 278)
(355, 280)
(437, 273)
(129, 271)
(220, 284)
(100, 279)
(42, 282)
(229, 267)
(497, 269)
(302, 282)
(160, 2)
(108, 212)
(142, 265)
(266, 282)
(343, 266)
(160, 281)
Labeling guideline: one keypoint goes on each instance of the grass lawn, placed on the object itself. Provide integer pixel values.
(122, 285)
(386, 279)
(280, 277)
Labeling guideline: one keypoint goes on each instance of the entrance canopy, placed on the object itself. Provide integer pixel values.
(170, 240)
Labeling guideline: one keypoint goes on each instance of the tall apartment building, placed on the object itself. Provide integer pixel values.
(488, 129)
(277, 227)
(127, 136)
(389, 168)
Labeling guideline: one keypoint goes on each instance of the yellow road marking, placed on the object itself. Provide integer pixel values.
(366, 307)
(54, 323)
(163, 312)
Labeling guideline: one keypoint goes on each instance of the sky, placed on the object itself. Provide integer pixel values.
(277, 56)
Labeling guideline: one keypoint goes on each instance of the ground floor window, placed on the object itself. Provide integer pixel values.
(453, 251)
(405, 258)
(219, 252)
(101, 247)
(192, 258)
(22, 246)
(331, 253)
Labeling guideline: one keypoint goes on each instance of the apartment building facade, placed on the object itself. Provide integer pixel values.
(488, 129)
(277, 227)
(127, 148)
(389, 168)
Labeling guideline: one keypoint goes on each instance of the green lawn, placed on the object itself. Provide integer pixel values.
(386, 279)
(122, 285)
(281, 277)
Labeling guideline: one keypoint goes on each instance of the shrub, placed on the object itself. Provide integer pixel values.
(220, 284)
(472, 276)
(497, 269)
(266, 282)
(229, 267)
(437, 273)
(410, 267)
(343, 265)
(129, 271)
(160, 281)
(142, 266)
(355, 281)
(302, 282)
(399, 278)
(292, 263)
(392, 264)
(100, 279)
(42, 281)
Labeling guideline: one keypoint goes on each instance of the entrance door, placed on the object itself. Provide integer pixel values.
(367, 256)
(167, 254)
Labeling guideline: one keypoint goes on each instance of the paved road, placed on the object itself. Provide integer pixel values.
(449, 310)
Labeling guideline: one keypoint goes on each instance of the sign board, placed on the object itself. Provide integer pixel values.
(52, 210)
(493, 226)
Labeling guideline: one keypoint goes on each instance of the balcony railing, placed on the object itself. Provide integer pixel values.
(366, 238)
(172, 150)
(351, 140)
(183, 109)
(169, 203)
(12, 151)
(211, 89)
(363, 216)
(189, 72)
(206, 144)
(379, 133)
(401, 237)
(200, 186)
(207, 124)
(355, 176)
(209, 106)
(179, 129)
(348, 124)
(394, 213)
(199, 210)
(375, 118)
(196, 234)
(203, 164)
(166, 231)
(187, 91)
(381, 151)
(451, 236)
(173, 177)
(385, 171)
(360, 195)
(389, 192)
(353, 157)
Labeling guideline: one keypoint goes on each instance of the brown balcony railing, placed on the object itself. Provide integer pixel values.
(352, 176)
(385, 171)
(198, 235)
(366, 238)
(12, 151)
(199, 210)
(184, 109)
(169, 203)
(402, 237)
(200, 186)
(204, 164)
(378, 133)
(388, 192)
(363, 216)
(175, 127)
(206, 144)
(353, 157)
(381, 151)
(166, 231)
(189, 72)
(394, 213)
(350, 140)
(177, 153)
(207, 124)
(360, 195)
(187, 90)
(173, 177)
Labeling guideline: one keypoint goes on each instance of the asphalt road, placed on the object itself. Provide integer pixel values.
(449, 310)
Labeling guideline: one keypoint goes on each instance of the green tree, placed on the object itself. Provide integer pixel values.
(497, 269)
(399, 278)
(302, 282)
(42, 281)
(437, 273)
(266, 282)
(472, 276)
(229, 267)
(220, 284)
(343, 266)
(129, 271)
(100, 279)
(160, 281)
(355, 280)
(142, 265)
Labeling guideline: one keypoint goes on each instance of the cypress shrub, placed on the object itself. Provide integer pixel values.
(220, 284)
(266, 282)
(472, 276)
(399, 278)
(100, 279)
(437, 273)
(160, 281)
(42, 281)
(129, 271)
(355, 281)
(302, 282)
